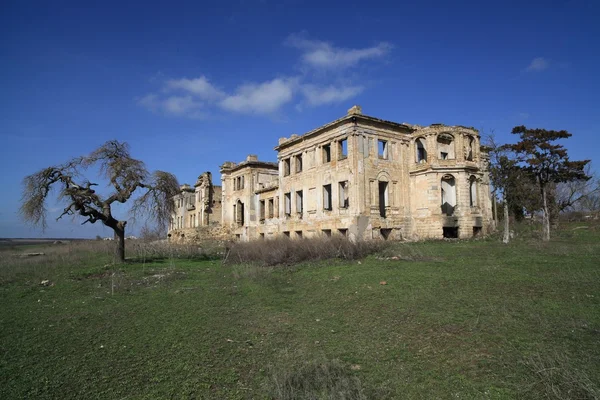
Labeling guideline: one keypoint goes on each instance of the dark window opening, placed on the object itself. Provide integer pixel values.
(286, 167)
(298, 160)
(383, 198)
(327, 197)
(326, 232)
(382, 149)
(286, 234)
(261, 236)
(271, 207)
(299, 234)
(326, 153)
(450, 232)
(299, 202)
(477, 231)
(238, 209)
(385, 233)
(444, 155)
(343, 232)
(342, 149)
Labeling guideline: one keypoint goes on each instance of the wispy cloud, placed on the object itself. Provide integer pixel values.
(199, 97)
(319, 54)
(537, 64)
(200, 87)
(318, 95)
(178, 106)
(262, 98)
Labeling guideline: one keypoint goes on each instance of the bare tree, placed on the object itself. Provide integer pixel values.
(125, 174)
(579, 195)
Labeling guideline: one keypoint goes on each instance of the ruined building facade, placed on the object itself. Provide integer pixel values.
(358, 176)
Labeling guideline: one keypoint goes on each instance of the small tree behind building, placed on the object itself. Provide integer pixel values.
(125, 175)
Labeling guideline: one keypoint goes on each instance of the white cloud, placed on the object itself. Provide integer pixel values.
(320, 54)
(538, 64)
(316, 96)
(173, 105)
(263, 98)
(198, 97)
(200, 87)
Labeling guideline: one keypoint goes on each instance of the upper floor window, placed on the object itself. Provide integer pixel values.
(286, 167)
(326, 153)
(342, 149)
(382, 149)
(421, 150)
(445, 144)
(469, 149)
(298, 162)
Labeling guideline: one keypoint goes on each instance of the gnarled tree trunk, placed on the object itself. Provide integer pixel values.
(119, 235)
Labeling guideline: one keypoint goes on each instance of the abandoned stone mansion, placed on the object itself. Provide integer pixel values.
(358, 176)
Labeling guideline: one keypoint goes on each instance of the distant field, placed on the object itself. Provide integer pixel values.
(31, 242)
(441, 319)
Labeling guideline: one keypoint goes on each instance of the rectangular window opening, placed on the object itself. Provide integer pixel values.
(326, 153)
(382, 149)
(262, 210)
(344, 195)
(299, 205)
(326, 232)
(343, 232)
(288, 203)
(286, 167)
(298, 162)
(286, 234)
(299, 234)
(271, 208)
(450, 232)
(327, 197)
(383, 198)
(342, 149)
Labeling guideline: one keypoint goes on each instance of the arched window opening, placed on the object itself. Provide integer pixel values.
(473, 191)
(239, 213)
(448, 185)
(421, 150)
(445, 144)
(469, 149)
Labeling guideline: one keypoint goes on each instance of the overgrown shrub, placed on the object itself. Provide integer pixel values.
(284, 251)
(161, 249)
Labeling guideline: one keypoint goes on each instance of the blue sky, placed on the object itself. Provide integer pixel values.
(190, 85)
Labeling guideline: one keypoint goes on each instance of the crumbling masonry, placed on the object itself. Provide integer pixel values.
(358, 176)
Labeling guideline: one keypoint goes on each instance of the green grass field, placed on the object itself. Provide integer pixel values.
(470, 319)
